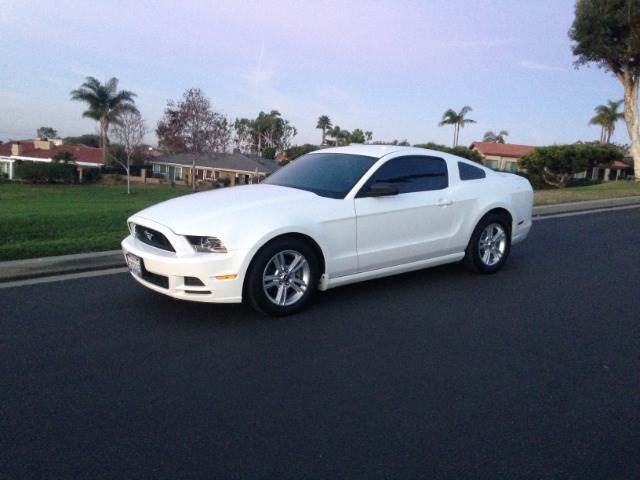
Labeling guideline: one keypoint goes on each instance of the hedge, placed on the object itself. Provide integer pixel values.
(34, 172)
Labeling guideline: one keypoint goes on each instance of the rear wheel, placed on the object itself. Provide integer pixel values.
(283, 277)
(490, 244)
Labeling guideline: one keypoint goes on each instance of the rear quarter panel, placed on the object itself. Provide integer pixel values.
(473, 199)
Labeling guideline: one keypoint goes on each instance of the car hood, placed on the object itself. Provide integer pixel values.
(195, 214)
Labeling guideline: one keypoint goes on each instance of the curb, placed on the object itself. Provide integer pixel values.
(556, 208)
(87, 262)
(59, 265)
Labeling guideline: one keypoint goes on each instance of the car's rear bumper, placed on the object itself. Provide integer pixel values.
(168, 272)
(520, 232)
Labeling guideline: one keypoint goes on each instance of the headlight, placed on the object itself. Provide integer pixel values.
(207, 244)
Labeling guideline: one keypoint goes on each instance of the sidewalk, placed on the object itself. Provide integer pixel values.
(87, 262)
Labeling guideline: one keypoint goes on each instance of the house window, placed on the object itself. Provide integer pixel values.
(492, 164)
(511, 167)
(178, 173)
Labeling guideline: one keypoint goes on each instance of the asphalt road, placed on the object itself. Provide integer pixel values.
(530, 373)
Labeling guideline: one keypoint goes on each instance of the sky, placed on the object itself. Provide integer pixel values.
(391, 67)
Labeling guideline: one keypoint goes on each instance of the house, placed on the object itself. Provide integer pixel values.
(237, 167)
(615, 170)
(44, 151)
(501, 156)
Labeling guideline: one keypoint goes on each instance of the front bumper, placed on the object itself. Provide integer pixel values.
(176, 266)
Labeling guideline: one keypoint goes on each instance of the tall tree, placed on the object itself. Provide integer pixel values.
(493, 137)
(324, 123)
(105, 105)
(44, 133)
(458, 120)
(607, 33)
(191, 125)
(267, 130)
(606, 117)
(129, 131)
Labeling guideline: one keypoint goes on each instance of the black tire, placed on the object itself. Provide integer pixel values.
(473, 259)
(259, 297)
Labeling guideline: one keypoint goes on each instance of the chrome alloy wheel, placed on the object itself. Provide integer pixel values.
(492, 244)
(286, 277)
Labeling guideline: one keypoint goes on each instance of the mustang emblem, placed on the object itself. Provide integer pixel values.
(149, 235)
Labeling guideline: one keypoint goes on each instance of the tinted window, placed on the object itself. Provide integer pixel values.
(330, 175)
(469, 172)
(413, 174)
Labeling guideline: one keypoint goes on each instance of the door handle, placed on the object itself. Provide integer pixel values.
(443, 203)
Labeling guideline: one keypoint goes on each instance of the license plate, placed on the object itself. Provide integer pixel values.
(135, 264)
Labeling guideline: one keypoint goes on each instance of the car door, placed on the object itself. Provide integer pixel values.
(413, 224)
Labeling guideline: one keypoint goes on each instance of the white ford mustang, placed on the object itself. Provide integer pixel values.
(331, 217)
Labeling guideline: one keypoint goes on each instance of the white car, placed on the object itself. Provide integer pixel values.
(331, 217)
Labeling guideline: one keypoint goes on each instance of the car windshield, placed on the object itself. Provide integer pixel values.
(330, 175)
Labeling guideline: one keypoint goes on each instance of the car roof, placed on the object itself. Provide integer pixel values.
(379, 151)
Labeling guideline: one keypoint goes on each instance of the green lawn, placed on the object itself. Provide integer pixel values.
(623, 188)
(43, 220)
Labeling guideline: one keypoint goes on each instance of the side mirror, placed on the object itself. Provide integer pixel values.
(381, 189)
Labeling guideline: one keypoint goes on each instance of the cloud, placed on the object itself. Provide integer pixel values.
(540, 67)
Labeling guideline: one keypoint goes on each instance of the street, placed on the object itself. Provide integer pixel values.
(530, 373)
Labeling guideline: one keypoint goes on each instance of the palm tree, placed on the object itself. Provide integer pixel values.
(368, 135)
(324, 123)
(106, 104)
(607, 116)
(336, 133)
(458, 121)
(493, 137)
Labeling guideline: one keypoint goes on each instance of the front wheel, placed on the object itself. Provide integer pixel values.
(283, 277)
(490, 244)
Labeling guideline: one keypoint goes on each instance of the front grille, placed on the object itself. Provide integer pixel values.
(153, 237)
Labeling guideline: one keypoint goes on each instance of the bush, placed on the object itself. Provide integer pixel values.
(34, 172)
(556, 164)
(459, 151)
(90, 175)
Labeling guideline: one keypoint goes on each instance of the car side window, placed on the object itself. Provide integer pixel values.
(414, 174)
(469, 172)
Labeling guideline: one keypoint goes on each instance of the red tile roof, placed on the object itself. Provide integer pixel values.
(502, 149)
(81, 154)
(616, 165)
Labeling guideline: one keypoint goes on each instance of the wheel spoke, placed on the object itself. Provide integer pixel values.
(278, 261)
(297, 263)
(281, 296)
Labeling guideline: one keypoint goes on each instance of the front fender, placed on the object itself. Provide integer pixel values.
(315, 234)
